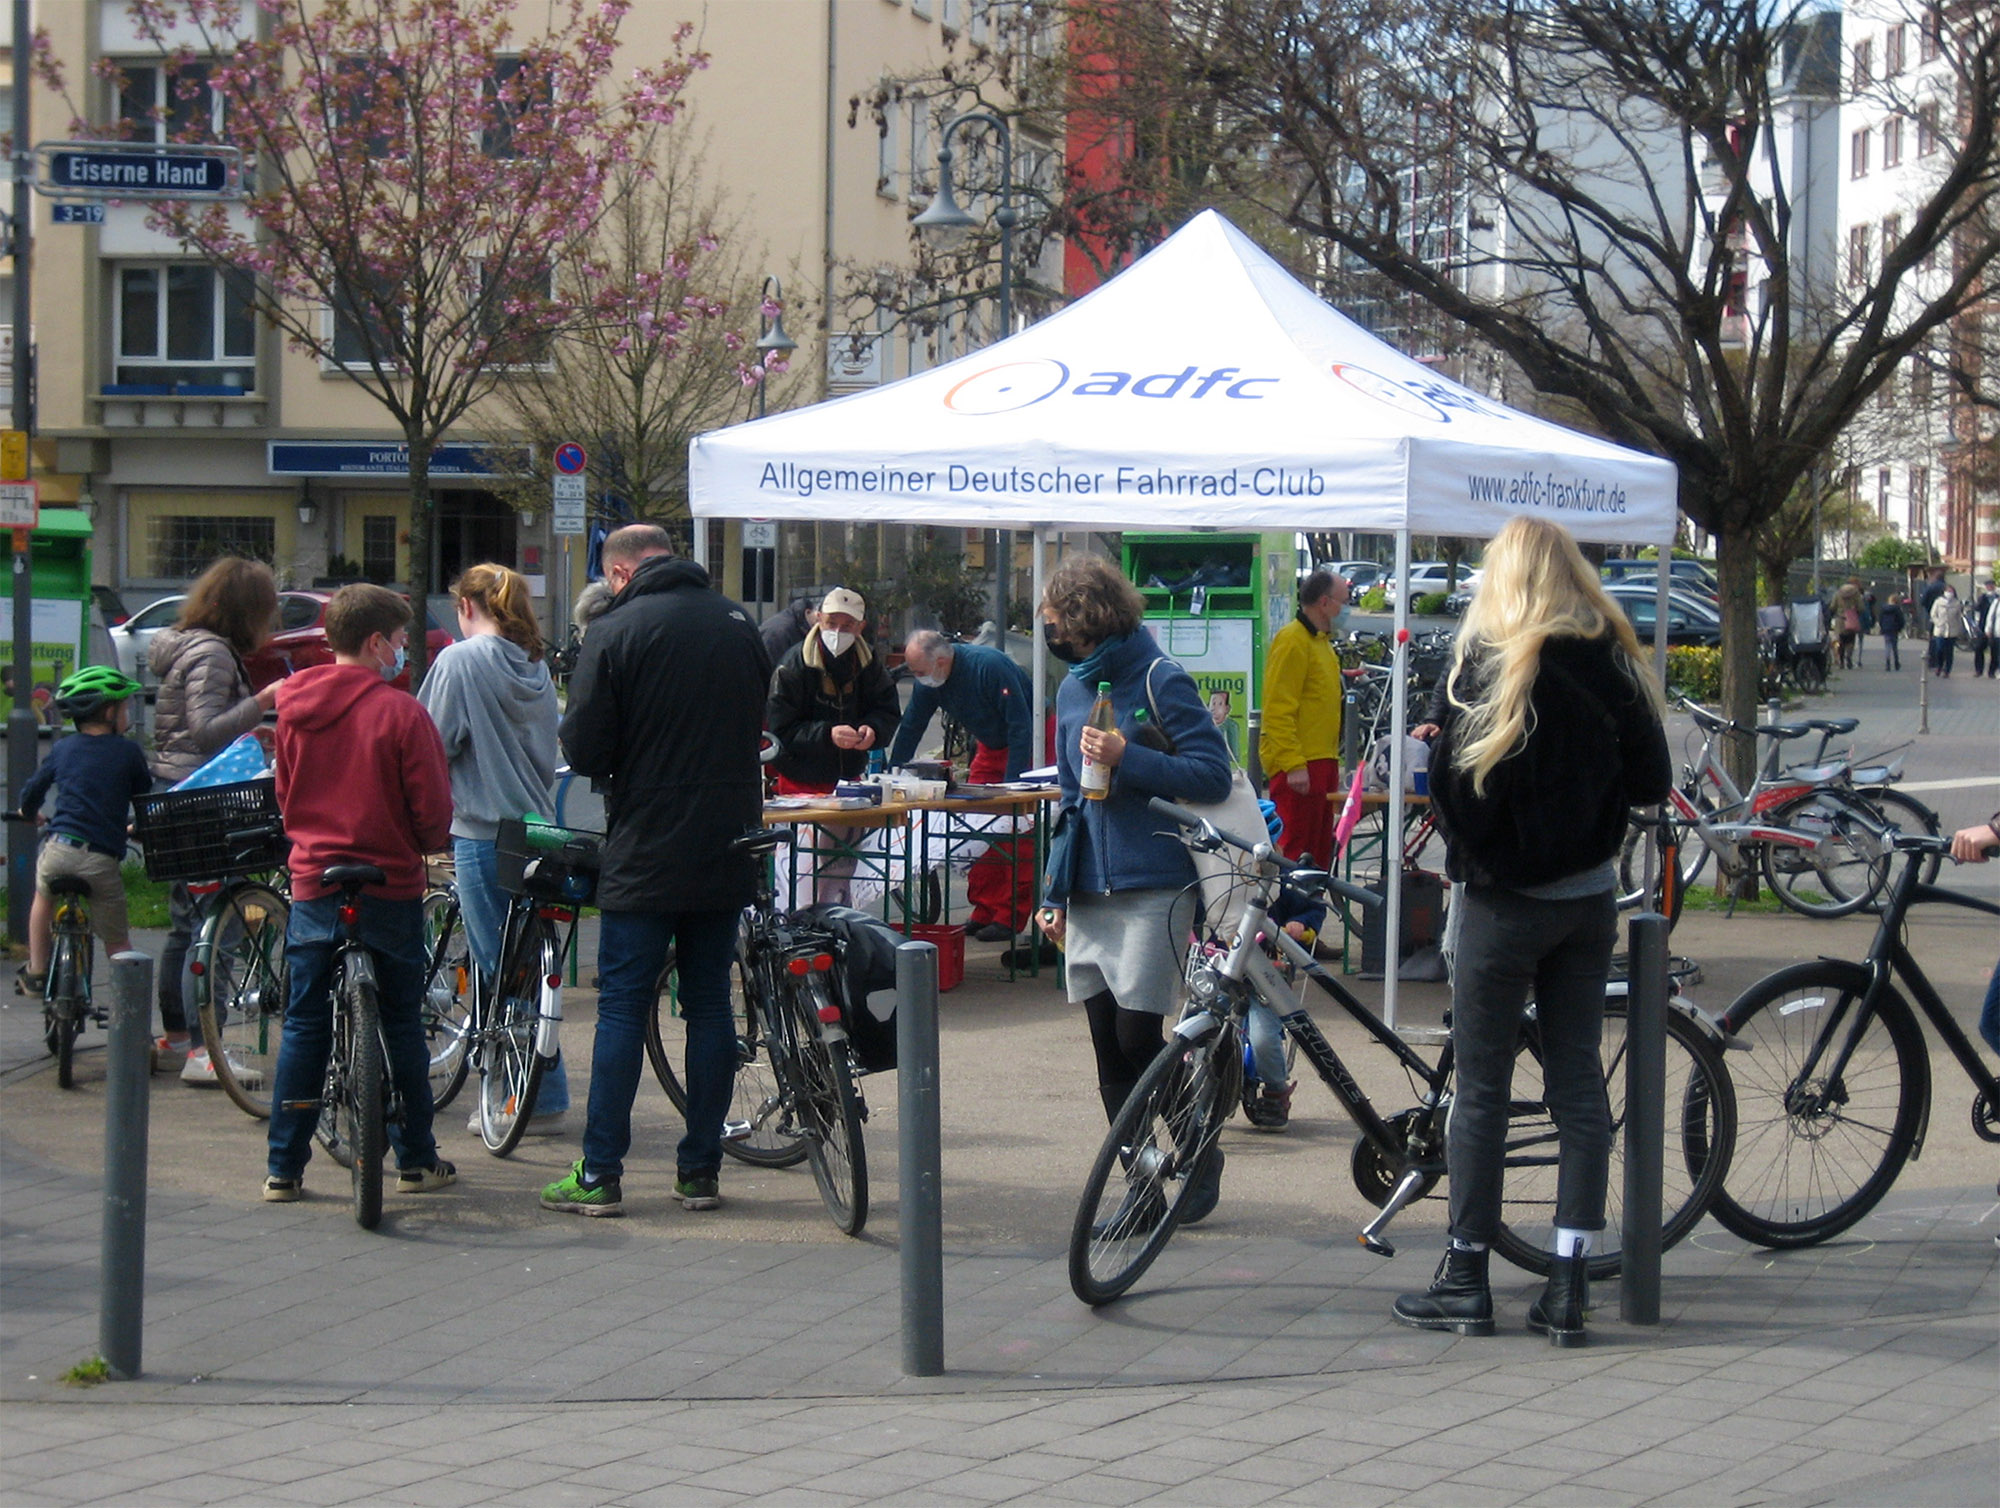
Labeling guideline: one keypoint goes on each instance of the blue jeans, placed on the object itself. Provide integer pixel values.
(1989, 1013)
(631, 951)
(482, 904)
(394, 932)
(1267, 1046)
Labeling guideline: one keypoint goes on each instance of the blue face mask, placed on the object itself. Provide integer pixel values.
(395, 667)
(1339, 625)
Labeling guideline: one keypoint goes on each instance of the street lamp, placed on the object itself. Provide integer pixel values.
(774, 341)
(945, 224)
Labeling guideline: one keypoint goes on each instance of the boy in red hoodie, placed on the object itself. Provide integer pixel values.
(362, 779)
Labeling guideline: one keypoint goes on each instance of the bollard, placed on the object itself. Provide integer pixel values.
(127, 1111)
(1645, 1118)
(1773, 711)
(918, 1136)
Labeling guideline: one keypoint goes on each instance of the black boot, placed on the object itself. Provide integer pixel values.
(1204, 1189)
(1458, 1298)
(1560, 1312)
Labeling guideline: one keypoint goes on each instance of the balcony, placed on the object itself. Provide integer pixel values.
(178, 405)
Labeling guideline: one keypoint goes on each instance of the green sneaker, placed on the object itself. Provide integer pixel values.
(698, 1192)
(576, 1196)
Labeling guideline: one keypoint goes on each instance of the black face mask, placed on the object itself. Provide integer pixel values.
(1060, 647)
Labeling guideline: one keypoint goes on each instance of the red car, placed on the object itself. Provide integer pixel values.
(301, 640)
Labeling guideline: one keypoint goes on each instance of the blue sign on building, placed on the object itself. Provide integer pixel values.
(137, 170)
(358, 458)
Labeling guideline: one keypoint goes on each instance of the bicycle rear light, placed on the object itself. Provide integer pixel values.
(349, 915)
(822, 962)
(798, 966)
(829, 1014)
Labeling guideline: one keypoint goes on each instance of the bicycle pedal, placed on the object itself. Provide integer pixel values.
(1376, 1244)
(736, 1130)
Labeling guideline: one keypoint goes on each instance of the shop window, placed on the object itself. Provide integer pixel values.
(181, 548)
(183, 326)
(378, 547)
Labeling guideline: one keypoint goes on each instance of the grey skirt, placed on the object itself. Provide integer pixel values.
(1120, 942)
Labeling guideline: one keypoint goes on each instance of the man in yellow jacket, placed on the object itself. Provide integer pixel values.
(1300, 743)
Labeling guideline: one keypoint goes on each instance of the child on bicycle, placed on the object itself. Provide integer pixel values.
(96, 774)
(362, 779)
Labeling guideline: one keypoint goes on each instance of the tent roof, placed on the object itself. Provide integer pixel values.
(1204, 386)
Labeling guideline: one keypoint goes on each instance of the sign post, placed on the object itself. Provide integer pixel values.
(569, 498)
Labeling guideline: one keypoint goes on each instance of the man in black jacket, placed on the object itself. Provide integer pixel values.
(667, 705)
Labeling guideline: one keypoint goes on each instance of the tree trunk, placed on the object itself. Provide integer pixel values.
(1736, 570)
(423, 528)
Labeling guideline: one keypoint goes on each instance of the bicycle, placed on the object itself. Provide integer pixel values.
(1158, 1144)
(794, 1095)
(66, 1003)
(1835, 1087)
(358, 1099)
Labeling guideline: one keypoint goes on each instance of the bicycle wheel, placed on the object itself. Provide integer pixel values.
(827, 1108)
(1700, 1130)
(1160, 1139)
(447, 1007)
(1817, 1148)
(364, 1088)
(755, 1128)
(510, 1070)
(335, 1128)
(1809, 670)
(1848, 869)
(241, 991)
(63, 1012)
(1910, 816)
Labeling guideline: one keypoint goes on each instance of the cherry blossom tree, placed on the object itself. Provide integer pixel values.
(419, 172)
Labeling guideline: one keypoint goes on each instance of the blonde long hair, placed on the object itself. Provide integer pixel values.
(1536, 586)
(502, 594)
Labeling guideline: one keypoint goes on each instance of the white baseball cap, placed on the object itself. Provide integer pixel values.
(842, 600)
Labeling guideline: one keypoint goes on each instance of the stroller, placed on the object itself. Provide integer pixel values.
(1793, 641)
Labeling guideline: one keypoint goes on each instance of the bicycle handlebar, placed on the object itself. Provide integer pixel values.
(1318, 878)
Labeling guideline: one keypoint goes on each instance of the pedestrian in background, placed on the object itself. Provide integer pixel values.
(1982, 622)
(1548, 731)
(1846, 610)
(1892, 620)
(494, 704)
(1299, 745)
(666, 705)
(1947, 626)
(1927, 599)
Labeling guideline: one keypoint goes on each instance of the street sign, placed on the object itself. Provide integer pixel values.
(76, 214)
(13, 455)
(567, 517)
(570, 459)
(137, 170)
(759, 535)
(20, 505)
(568, 489)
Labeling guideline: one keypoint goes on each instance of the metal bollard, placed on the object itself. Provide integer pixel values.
(1645, 1118)
(127, 1114)
(918, 1137)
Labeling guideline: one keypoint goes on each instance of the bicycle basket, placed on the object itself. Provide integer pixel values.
(548, 862)
(185, 835)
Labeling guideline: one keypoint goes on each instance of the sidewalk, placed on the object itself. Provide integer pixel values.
(478, 1350)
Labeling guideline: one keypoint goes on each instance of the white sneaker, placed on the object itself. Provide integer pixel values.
(197, 1069)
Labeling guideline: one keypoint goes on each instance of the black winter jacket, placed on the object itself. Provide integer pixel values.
(667, 704)
(808, 702)
(1559, 804)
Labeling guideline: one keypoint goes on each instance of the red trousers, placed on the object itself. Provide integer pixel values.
(1001, 882)
(1308, 817)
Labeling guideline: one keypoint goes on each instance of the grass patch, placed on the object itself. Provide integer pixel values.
(145, 900)
(87, 1374)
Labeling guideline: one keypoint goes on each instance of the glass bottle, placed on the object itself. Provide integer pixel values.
(1095, 778)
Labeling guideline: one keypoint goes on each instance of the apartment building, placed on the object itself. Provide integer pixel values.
(185, 428)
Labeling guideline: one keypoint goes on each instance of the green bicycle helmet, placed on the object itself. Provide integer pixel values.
(91, 690)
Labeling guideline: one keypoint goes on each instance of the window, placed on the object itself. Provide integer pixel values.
(1862, 72)
(361, 331)
(509, 96)
(923, 157)
(1892, 51)
(181, 548)
(160, 104)
(952, 17)
(1857, 253)
(976, 20)
(921, 9)
(1920, 501)
(1930, 34)
(184, 325)
(1857, 154)
(369, 99)
(1922, 362)
(1882, 492)
(1892, 141)
(1892, 235)
(1927, 129)
(378, 547)
(296, 610)
(885, 153)
(510, 314)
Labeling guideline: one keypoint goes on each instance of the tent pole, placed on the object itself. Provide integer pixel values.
(1392, 833)
(1038, 655)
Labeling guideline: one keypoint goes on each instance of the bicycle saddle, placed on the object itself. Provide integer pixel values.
(760, 841)
(1783, 730)
(1834, 724)
(343, 875)
(68, 884)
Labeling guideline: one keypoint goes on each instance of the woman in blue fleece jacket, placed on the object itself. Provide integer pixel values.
(1116, 868)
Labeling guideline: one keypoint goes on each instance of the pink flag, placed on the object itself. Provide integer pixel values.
(1350, 812)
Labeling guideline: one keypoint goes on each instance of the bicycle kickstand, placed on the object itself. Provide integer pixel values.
(1409, 1187)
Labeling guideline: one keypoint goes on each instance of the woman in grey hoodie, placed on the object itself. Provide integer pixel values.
(494, 703)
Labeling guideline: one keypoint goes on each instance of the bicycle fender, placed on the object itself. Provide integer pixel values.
(1197, 1027)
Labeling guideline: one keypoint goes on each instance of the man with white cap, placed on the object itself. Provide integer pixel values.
(831, 703)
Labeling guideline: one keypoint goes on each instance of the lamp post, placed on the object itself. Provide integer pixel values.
(944, 223)
(773, 341)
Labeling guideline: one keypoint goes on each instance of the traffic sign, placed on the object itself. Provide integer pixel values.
(137, 170)
(570, 458)
(20, 505)
(13, 455)
(76, 214)
(568, 489)
(567, 517)
(759, 534)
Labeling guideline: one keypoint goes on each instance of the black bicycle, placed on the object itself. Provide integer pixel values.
(1834, 1091)
(795, 1096)
(66, 1003)
(1138, 1188)
(358, 1099)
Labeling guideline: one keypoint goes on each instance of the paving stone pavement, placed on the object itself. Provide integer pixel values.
(454, 1357)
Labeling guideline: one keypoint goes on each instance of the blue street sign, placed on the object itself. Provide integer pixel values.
(570, 459)
(359, 458)
(137, 170)
(76, 214)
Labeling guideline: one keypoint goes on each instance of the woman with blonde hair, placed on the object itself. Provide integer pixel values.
(494, 704)
(1548, 731)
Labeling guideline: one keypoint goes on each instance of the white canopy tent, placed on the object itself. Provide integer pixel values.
(1204, 388)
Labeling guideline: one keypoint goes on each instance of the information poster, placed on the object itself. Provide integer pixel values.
(58, 632)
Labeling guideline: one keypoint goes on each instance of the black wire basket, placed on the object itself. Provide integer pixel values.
(210, 833)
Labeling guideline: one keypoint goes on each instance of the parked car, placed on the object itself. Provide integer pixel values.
(1688, 573)
(300, 640)
(1691, 620)
(1431, 576)
(111, 605)
(1358, 574)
